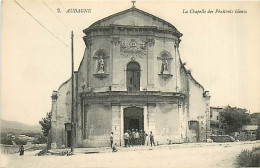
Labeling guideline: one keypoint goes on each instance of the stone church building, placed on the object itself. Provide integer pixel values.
(131, 77)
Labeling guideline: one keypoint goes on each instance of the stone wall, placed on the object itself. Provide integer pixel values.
(98, 125)
(197, 107)
(166, 123)
(61, 113)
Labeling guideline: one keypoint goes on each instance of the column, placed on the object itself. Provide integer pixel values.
(122, 126)
(151, 61)
(145, 120)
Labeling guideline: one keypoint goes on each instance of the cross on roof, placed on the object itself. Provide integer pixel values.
(133, 2)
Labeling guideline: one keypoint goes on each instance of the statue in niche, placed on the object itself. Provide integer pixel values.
(165, 67)
(101, 66)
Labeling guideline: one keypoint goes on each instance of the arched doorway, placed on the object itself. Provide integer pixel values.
(133, 118)
(133, 77)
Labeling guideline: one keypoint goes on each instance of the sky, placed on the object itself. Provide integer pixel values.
(220, 49)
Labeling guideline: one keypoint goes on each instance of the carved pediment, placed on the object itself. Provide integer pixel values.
(131, 47)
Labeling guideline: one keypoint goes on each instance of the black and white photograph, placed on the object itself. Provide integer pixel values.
(130, 83)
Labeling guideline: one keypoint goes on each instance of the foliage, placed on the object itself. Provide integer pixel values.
(249, 158)
(32, 134)
(20, 141)
(258, 133)
(46, 124)
(46, 127)
(40, 140)
(232, 119)
(8, 139)
(255, 118)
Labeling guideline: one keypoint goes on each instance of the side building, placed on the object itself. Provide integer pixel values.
(215, 120)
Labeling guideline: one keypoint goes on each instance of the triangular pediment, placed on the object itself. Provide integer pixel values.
(134, 17)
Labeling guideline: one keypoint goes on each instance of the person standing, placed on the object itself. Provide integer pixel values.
(137, 136)
(130, 137)
(141, 139)
(152, 139)
(21, 150)
(126, 137)
(144, 137)
(111, 139)
(133, 136)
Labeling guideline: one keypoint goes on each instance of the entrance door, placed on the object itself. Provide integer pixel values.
(133, 77)
(194, 128)
(68, 134)
(134, 124)
(68, 138)
(133, 119)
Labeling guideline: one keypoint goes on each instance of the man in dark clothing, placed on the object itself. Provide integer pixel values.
(21, 150)
(129, 140)
(152, 139)
(141, 139)
(111, 139)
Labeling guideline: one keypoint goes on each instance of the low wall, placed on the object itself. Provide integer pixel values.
(221, 138)
(10, 149)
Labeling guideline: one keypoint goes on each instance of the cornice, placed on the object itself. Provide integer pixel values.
(128, 29)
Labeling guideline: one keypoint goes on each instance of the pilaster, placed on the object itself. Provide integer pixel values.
(53, 131)
(151, 118)
(116, 122)
(207, 97)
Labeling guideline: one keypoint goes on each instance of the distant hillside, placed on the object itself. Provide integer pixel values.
(17, 127)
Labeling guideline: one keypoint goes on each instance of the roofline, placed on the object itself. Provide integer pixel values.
(189, 73)
(64, 83)
(138, 10)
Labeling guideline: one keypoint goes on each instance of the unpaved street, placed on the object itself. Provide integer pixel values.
(183, 155)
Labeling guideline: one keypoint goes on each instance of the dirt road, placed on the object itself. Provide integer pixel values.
(220, 155)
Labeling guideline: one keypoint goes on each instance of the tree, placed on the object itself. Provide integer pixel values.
(46, 127)
(258, 133)
(232, 119)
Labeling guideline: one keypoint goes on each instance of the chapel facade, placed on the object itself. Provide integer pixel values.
(131, 77)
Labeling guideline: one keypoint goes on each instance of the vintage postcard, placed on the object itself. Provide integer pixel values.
(130, 83)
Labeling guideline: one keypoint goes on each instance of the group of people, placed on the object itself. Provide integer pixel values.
(134, 137)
